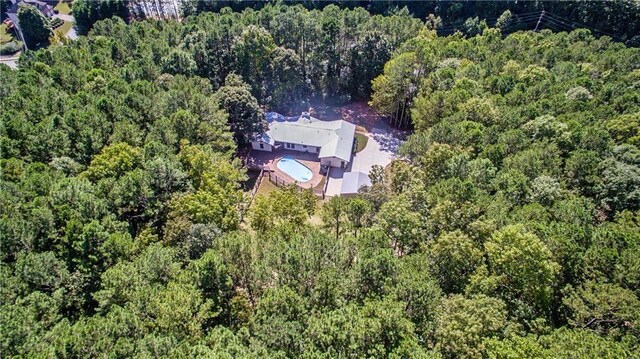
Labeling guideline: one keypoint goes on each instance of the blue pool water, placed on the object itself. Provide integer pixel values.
(295, 169)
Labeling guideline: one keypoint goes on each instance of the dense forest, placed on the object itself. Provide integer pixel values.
(510, 227)
(617, 18)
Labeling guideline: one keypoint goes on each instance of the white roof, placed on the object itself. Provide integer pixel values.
(264, 137)
(334, 138)
(353, 181)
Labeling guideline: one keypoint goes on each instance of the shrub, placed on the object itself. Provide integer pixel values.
(10, 47)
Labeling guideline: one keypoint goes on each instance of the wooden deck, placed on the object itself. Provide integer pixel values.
(269, 160)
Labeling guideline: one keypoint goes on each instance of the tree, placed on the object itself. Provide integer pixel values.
(333, 213)
(87, 12)
(394, 89)
(35, 26)
(605, 308)
(625, 128)
(474, 26)
(281, 209)
(246, 118)
(378, 328)
(401, 224)
(114, 160)
(252, 53)
(453, 257)
(523, 267)
(561, 343)
(280, 320)
(179, 62)
(287, 82)
(420, 292)
(359, 212)
(463, 323)
(619, 185)
(504, 20)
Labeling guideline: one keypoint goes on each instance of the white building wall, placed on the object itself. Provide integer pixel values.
(265, 146)
(333, 162)
(300, 148)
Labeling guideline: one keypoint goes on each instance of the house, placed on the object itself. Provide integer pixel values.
(46, 9)
(331, 140)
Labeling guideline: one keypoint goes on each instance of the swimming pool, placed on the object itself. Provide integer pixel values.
(295, 169)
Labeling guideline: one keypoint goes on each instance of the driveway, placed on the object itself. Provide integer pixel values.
(12, 62)
(335, 182)
(380, 150)
(71, 34)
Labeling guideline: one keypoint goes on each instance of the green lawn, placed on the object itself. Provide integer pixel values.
(265, 187)
(64, 29)
(63, 8)
(361, 142)
(5, 36)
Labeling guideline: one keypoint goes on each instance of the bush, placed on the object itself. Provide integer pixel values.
(10, 47)
(56, 23)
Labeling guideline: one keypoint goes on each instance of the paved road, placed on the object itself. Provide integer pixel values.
(10, 61)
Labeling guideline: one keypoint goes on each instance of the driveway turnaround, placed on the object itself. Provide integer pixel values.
(381, 149)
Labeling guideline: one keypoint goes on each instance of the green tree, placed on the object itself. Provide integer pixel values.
(421, 294)
(603, 307)
(453, 257)
(334, 212)
(114, 160)
(35, 26)
(522, 266)
(87, 12)
(252, 52)
(561, 343)
(280, 320)
(280, 209)
(359, 212)
(378, 328)
(246, 118)
(179, 62)
(401, 224)
(463, 323)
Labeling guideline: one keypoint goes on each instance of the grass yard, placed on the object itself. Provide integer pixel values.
(63, 8)
(64, 29)
(361, 141)
(5, 36)
(266, 187)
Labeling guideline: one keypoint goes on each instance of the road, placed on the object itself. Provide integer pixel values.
(12, 62)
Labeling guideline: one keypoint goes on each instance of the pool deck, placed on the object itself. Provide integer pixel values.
(269, 160)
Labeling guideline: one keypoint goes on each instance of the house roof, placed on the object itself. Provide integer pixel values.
(264, 137)
(45, 8)
(353, 181)
(334, 138)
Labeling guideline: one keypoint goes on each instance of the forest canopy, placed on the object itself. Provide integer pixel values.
(510, 226)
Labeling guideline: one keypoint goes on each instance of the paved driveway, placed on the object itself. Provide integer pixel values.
(380, 150)
(71, 34)
(335, 182)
